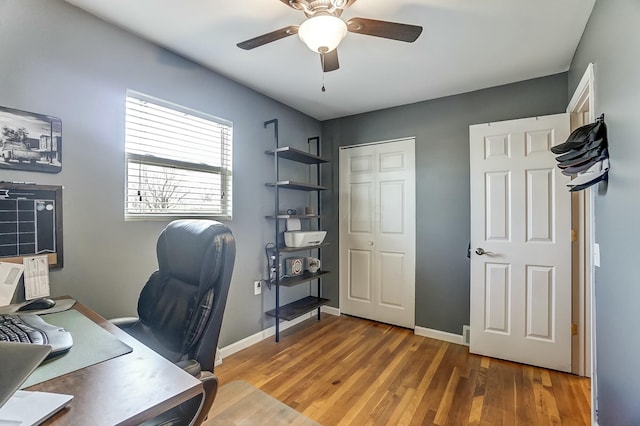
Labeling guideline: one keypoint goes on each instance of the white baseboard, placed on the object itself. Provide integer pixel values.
(268, 332)
(330, 310)
(439, 335)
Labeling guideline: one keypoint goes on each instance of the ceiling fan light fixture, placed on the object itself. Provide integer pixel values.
(322, 33)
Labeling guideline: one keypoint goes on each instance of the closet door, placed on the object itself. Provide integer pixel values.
(377, 231)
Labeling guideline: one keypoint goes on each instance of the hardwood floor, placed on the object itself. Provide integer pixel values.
(349, 371)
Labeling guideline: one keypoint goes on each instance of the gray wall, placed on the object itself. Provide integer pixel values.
(441, 128)
(58, 60)
(612, 42)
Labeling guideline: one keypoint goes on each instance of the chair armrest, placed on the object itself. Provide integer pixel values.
(124, 322)
(191, 366)
(210, 384)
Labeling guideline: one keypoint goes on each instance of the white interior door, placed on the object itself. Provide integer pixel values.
(521, 220)
(377, 232)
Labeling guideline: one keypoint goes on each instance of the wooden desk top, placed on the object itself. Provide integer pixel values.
(125, 390)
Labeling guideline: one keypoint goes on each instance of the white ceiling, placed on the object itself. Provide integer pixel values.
(465, 45)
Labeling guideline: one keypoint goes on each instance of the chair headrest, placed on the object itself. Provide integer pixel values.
(187, 249)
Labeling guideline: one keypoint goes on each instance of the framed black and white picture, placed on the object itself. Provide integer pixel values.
(30, 141)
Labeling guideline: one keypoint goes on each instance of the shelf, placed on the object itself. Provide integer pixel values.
(299, 279)
(293, 154)
(292, 249)
(289, 184)
(275, 254)
(299, 307)
(294, 216)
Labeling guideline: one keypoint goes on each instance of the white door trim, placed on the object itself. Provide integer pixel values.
(585, 93)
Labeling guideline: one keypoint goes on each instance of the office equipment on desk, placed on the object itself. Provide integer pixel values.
(27, 328)
(17, 362)
(38, 304)
(60, 306)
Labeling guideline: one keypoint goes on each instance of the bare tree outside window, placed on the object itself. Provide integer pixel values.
(161, 191)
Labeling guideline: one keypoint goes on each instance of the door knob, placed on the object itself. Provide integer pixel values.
(480, 251)
(370, 243)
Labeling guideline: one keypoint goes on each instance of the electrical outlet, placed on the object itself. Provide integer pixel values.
(257, 287)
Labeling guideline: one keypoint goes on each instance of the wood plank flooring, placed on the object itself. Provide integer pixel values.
(349, 371)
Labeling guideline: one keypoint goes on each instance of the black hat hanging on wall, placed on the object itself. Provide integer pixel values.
(585, 154)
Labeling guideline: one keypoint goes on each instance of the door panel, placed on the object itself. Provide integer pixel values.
(377, 248)
(540, 206)
(359, 283)
(391, 214)
(521, 218)
(497, 298)
(360, 164)
(497, 204)
(359, 201)
(538, 141)
(497, 146)
(392, 161)
(390, 272)
(540, 290)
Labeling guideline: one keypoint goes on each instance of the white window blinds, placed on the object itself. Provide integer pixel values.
(179, 161)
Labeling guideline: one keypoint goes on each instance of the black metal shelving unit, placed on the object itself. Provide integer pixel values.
(308, 303)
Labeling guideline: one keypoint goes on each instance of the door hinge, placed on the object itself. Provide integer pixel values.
(574, 329)
(574, 235)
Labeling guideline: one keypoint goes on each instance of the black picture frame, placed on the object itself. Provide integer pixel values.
(31, 222)
(30, 141)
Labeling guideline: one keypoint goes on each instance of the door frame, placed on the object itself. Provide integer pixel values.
(341, 227)
(583, 281)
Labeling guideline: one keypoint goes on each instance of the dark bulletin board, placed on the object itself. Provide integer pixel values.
(31, 222)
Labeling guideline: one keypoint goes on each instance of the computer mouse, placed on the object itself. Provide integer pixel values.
(37, 304)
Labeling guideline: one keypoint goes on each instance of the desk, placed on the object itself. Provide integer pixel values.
(125, 390)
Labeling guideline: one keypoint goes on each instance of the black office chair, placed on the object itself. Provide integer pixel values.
(180, 307)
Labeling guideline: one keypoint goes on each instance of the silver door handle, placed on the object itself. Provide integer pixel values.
(370, 243)
(480, 251)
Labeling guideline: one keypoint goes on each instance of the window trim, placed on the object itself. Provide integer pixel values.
(226, 175)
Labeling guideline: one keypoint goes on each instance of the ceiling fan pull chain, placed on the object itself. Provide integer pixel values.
(322, 59)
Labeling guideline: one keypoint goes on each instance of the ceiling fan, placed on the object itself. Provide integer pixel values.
(323, 29)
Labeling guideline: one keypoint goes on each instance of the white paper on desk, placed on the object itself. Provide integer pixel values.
(36, 277)
(10, 274)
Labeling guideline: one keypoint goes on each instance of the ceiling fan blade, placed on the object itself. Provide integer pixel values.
(384, 29)
(268, 37)
(329, 61)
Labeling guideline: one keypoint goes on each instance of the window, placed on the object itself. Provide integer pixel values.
(179, 161)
